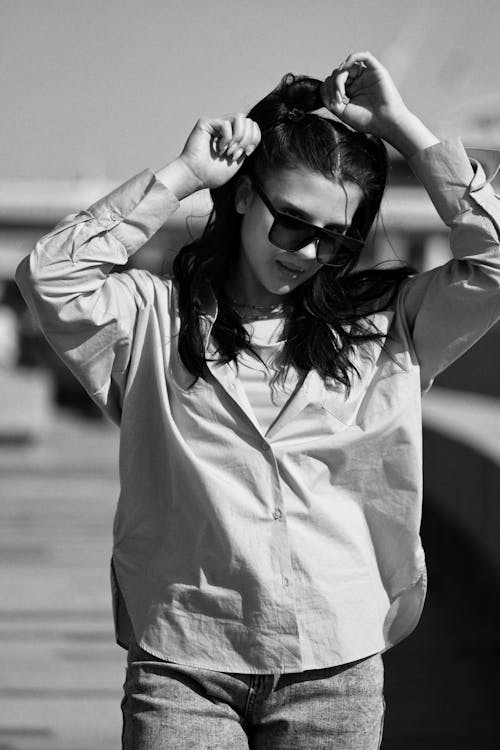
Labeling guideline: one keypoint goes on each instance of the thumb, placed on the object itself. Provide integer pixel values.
(333, 97)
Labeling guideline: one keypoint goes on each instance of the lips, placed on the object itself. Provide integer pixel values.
(290, 267)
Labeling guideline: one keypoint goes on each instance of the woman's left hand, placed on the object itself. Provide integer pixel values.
(362, 94)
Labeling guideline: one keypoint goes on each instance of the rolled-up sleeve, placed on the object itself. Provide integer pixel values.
(447, 309)
(86, 311)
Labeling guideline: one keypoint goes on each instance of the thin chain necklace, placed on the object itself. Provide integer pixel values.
(259, 307)
(262, 311)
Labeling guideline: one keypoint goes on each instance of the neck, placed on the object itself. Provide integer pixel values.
(248, 293)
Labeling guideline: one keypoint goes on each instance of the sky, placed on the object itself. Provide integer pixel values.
(104, 88)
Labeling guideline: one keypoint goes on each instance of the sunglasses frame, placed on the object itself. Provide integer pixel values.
(318, 233)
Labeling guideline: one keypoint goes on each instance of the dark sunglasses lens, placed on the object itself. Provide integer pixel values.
(335, 252)
(339, 251)
(289, 235)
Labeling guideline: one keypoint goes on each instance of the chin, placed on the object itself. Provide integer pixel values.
(279, 289)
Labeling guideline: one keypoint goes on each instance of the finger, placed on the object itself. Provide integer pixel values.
(363, 59)
(333, 91)
(335, 104)
(340, 82)
(223, 131)
(357, 68)
(233, 134)
(256, 138)
(355, 86)
(245, 140)
(238, 125)
(250, 140)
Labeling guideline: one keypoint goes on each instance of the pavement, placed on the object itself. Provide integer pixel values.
(61, 671)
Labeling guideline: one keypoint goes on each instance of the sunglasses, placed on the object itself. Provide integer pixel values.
(335, 249)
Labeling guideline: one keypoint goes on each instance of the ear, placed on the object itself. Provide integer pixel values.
(243, 195)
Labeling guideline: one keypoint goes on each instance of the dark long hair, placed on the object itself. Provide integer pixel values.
(328, 312)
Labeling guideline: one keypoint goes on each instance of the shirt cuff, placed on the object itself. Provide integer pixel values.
(458, 180)
(135, 210)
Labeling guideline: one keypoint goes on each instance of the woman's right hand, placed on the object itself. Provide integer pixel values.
(217, 147)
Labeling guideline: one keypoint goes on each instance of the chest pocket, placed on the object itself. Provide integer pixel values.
(339, 412)
(316, 411)
(381, 391)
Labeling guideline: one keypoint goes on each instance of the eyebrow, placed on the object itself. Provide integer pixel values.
(287, 207)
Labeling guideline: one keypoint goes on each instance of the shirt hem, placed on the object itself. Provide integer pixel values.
(365, 654)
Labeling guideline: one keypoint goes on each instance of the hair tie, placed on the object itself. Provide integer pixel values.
(295, 114)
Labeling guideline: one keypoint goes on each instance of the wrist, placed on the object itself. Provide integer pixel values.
(179, 178)
(409, 135)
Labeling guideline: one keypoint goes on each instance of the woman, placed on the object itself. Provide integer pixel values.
(266, 541)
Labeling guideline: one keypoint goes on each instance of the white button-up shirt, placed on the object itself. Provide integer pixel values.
(239, 549)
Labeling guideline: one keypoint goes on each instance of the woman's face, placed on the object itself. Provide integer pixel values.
(264, 272)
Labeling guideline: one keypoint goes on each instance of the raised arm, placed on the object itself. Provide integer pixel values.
(447, 309)
(86, 310)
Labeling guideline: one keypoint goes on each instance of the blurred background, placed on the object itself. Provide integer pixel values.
(91, 93)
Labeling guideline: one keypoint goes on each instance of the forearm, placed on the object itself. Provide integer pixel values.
(74, 259)
(459, 183)
(88, 312)
(409, 135)
(179, 179)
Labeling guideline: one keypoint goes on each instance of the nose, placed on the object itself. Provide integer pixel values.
(308, 252)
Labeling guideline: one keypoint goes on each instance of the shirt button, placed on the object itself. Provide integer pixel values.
(285, 581)
(277, 514)
(114, 217)
(264, 446)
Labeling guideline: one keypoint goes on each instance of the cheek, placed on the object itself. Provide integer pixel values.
(255, 237)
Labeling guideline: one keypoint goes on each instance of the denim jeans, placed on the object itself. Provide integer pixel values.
(172, 706)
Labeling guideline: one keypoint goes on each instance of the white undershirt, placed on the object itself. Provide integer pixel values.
(266, 399)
